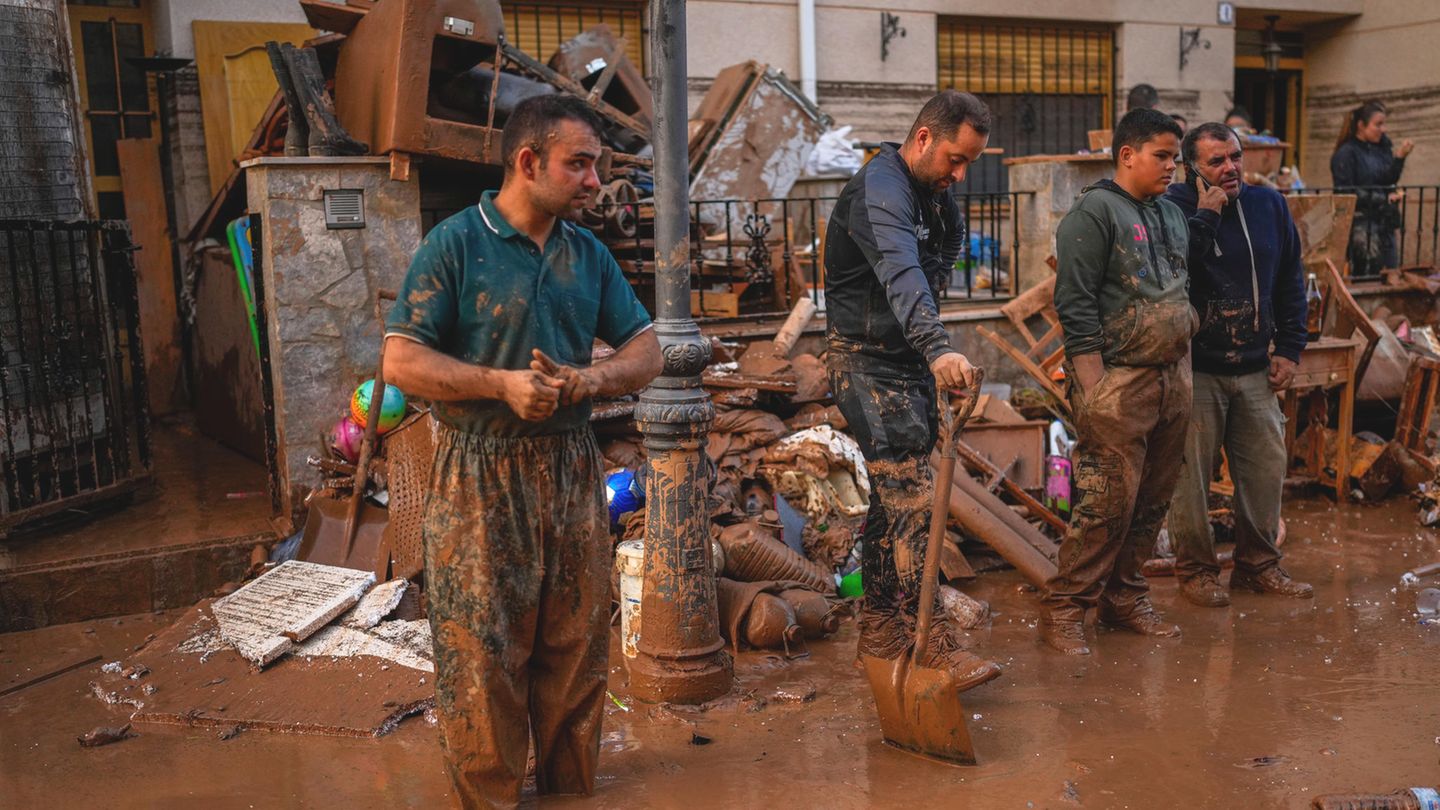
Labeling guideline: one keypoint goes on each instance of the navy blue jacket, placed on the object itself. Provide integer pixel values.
(1232, 340)
(889, 249)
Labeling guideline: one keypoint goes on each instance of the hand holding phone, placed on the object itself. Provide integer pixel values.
(1208, 194)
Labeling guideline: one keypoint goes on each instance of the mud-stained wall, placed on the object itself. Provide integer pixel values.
(320, 288)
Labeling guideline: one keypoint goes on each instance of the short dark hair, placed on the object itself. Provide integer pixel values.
(944, 114)
(1179, 118)
(1213, 130)
(533, 119)
(1139, 127)
(1142, 97)
(1240, 112)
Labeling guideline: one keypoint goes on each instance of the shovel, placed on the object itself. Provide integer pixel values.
(351, 533)
(919, 706)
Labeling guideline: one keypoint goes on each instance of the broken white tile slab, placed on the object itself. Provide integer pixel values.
(407, 643)
(375, 605)
(287, 604)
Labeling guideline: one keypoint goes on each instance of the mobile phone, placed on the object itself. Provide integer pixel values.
(1197, 177)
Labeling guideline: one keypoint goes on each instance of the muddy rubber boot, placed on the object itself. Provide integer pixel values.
(327, 137)
(1204, 590)
(944, 651)
(1272, 580)
(1064, 636)
(297, 132)
(1140, 618)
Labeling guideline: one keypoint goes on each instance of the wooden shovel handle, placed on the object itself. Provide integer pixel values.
(951, 424)
(372, 425)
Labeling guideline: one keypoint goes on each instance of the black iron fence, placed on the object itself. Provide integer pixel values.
(754, 257)
(1402, 233)
(73, 413)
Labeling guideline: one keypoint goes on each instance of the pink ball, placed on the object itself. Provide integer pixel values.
(345, 439)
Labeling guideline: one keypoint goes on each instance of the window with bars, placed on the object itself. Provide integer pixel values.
(1047, 83)
(539, 28)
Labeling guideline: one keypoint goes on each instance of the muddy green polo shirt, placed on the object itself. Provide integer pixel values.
(483, 292)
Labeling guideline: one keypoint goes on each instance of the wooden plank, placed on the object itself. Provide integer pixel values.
(144, 189)
(200, 683)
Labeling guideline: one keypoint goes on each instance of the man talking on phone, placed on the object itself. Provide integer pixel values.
(1248, 285)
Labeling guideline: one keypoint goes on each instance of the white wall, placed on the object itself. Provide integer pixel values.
(173, 18)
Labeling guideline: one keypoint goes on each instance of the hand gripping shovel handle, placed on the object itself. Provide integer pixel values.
(952, 421)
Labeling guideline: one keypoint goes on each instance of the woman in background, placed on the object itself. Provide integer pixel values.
(1366, 164)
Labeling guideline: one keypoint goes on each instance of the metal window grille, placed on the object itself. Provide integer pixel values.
(73, 413)
(1047, 84)
(540, 28)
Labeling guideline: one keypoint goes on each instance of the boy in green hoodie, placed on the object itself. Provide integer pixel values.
(1121, 294)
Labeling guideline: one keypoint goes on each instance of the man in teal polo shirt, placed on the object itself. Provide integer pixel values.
(494, 325)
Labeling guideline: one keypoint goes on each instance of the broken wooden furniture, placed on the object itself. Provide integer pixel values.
(1417, 408)
(1327, 363)
(392, 54)
(1344, 317)
(1323, 223)
(1045, 353)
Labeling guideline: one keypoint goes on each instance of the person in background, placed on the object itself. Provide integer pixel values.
(1239, 120)
(1368, 165)
(1180, 119)
(1247, 281)
(1142, 97)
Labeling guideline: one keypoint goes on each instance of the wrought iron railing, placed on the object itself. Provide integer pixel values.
(1414, 239)
(754, 257)
(73, 411)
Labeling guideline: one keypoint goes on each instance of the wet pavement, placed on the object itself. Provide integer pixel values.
(1263, 704)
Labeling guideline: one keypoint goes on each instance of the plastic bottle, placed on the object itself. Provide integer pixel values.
(753, 555)
(1415, 798)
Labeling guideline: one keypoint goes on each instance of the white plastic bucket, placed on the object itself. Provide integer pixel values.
(630, 559)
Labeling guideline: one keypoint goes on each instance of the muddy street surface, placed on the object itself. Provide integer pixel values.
(1263, 704)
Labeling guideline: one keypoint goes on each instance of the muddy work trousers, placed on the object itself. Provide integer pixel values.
(517, 575)
(1241, 414)
(894, 421)
(1132, 428)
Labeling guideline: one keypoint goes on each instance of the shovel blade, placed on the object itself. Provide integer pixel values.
(920, 710)
(324, 538)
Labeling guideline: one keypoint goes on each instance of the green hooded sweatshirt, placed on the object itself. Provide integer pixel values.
(1121, 288)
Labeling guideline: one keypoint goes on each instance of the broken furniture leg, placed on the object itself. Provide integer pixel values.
(326, 137)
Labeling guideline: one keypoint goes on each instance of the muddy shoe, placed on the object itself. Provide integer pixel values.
(1204, 590)
(944, 652)
(1141, 619)
(1272, 580)
(1067, 637)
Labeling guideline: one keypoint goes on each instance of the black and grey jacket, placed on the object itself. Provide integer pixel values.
(889, 249)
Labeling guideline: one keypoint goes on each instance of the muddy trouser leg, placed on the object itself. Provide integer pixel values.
(491, 533)
(1255, 445)
(1113, 424)
(894, 421)
(1127, 590)
(571, 659)
(1189, 521)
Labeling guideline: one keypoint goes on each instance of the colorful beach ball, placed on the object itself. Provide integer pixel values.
(345, 439)
(392, 410)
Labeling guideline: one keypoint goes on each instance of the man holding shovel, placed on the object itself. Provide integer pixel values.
(892, 240)
(494, 325)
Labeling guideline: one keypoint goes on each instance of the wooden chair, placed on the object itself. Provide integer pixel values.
(1044, 353)
(1348, 316)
